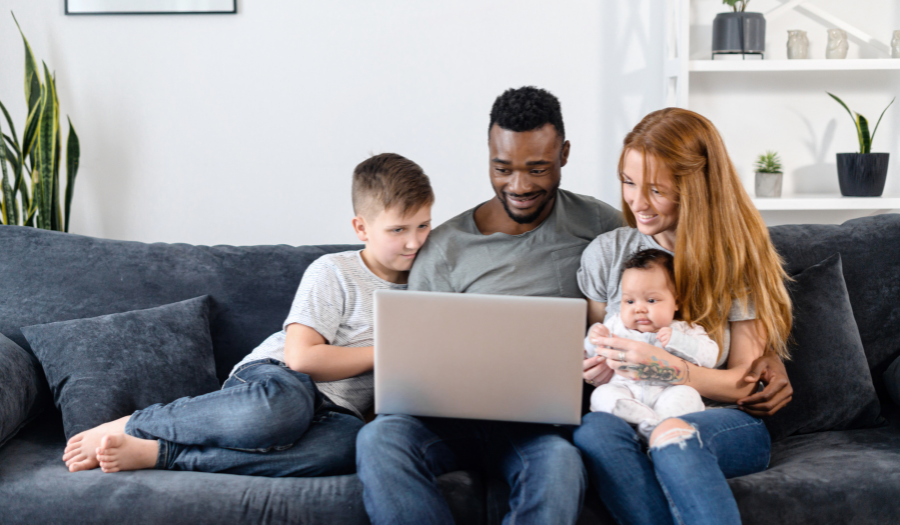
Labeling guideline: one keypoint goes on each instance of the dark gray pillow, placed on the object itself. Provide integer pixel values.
(21, 388)
(106, 367)
(828, 369)
(892, 381)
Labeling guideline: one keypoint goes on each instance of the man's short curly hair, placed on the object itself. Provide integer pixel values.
(390, 181)
(525, 109)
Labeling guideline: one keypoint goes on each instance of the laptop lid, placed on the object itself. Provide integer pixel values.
(474, 356)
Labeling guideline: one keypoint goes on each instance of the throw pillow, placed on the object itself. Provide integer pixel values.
(892, 381)
(21, 388)
(828, 370)
(106, 367)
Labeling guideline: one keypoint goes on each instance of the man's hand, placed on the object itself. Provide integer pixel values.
(777, 392)
(664, 335)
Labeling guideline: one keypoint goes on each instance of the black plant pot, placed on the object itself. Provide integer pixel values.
(862, 174)
(739, 33)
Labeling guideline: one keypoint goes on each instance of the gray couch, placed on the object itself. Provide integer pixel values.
(842, 476)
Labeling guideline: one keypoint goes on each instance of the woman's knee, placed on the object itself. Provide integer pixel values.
(671, 431)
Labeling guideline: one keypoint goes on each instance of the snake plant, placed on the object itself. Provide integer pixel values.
(34, 163)
(862, 125)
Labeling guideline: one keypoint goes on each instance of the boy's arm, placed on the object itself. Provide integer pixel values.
(306, 351)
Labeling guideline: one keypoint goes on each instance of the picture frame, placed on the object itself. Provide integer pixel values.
(147, 7)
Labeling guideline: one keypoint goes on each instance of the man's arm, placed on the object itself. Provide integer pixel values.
(305, 350)
(778, 391)
(431, 271)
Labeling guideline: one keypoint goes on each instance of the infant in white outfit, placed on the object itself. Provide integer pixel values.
(647, 314)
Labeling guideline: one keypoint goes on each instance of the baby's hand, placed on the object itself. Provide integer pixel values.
(664, 335)
(596, 331)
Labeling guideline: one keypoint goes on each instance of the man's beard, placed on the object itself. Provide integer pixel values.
(531, 217)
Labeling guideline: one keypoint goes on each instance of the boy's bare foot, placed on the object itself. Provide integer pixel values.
(81, 450)
(123, 452)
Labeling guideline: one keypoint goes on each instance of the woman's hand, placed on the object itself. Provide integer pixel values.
(596, 372)
(642, 361)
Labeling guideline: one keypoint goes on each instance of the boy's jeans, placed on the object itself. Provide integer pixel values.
(267, 420)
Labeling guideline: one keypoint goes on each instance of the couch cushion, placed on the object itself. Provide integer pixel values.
(870, 257)
(828, 370)
(21, 386)
(892, 381)
(104, 368)
(52, 276)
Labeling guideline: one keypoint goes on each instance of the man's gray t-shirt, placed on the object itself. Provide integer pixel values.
(542, 262)
(335, 298)
(600, 274)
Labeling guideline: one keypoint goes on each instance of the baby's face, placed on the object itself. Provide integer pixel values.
(648, 302)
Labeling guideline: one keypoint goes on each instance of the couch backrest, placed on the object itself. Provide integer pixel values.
(50, 276)
(870, 256)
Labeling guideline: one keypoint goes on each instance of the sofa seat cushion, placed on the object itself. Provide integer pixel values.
(835, 477)
(35, 487)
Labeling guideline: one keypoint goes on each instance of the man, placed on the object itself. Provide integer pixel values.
(526, 240)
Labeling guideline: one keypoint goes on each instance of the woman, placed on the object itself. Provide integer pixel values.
(681, 193)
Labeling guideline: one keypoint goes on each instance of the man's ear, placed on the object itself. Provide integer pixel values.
(564, 153)
(359, 227)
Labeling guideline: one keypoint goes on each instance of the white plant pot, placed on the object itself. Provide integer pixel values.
(768, 184)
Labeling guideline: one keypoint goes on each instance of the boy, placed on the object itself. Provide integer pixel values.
(293, 406)
(649, 307)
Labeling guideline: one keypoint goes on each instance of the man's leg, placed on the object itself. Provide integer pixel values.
(544, 470)
(399, 459)
(327, 448)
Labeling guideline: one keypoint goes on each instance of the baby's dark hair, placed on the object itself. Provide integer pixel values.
(646, 259)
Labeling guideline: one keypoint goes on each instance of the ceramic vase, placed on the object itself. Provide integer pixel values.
(862, 174)
(797, 44)
(768, 184)
(895, 45)
(837, 44)
(739, 33)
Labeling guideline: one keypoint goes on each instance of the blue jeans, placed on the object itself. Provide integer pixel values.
(682, 482)
(400, 457)
(267, 420)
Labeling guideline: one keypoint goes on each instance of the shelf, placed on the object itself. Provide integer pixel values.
(856, 64)
(826, 202)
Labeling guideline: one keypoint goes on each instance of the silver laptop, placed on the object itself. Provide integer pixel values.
(475, 356)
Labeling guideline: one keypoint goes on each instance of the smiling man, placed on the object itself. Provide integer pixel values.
(526, 240)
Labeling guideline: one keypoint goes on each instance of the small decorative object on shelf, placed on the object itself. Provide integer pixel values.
(837, 44)
(862, 174)
(797, 44)
(739, 32)
(895, 45)
(768, 175)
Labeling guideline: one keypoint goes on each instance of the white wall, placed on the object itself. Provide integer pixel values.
(244, 129)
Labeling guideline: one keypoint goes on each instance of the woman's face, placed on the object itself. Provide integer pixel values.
(659, 213)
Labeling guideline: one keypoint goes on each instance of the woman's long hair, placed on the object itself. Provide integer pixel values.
(723, 251)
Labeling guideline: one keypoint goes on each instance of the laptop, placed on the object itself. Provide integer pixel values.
(473, 356)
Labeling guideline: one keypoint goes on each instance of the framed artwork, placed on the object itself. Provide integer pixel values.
(144, 7)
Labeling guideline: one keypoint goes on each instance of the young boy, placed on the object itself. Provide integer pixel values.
(648, 311)
(293, 406)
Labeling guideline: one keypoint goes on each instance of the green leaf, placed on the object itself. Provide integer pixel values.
(858, 132)
(879, 118)
(73, 154)
(866, 140)
(36, 202)
(12, 126)
(7, 207)
(32, 78)
(56, 222)
(46, 147)
(31, 127)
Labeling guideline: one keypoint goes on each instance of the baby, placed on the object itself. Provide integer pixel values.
(647, 314)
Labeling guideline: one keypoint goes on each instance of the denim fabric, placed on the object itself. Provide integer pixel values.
(400, 457)
(267, 420)
(676, 483)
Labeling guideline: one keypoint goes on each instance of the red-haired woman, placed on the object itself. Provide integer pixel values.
(681, 193)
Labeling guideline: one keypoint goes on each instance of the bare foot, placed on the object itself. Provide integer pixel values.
(81, 450)
(123, 452)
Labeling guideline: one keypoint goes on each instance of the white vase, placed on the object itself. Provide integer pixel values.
(837, 44)
(797, 44)
(895, 45)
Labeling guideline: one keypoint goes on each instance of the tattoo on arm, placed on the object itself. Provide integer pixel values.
(659, 370)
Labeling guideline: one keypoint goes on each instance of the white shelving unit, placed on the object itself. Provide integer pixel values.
(680, 68)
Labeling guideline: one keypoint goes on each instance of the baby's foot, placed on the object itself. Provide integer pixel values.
(634, 411)
(81, 450)
(123, 452)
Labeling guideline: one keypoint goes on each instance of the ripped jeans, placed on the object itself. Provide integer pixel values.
(681, 481)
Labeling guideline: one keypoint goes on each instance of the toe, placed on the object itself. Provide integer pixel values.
(75, 459)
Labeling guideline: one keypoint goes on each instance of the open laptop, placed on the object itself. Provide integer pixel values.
(473, 356)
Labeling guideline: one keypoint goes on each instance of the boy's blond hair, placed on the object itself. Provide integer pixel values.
(389, 181)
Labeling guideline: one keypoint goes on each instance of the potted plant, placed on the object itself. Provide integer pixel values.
(739, 32)
(862, 174)
(768, 175)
